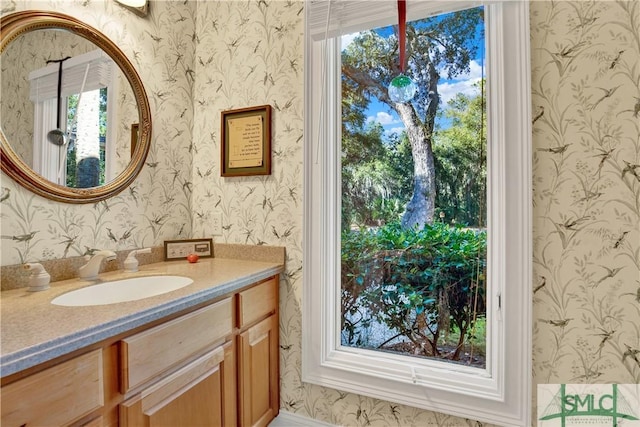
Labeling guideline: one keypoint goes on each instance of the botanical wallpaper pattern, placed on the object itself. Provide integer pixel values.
(586, 185)
(157, 206)
(199, 58)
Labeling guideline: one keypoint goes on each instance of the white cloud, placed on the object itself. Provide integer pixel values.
(461, 84)
(448, 91)
(475, 72)
(383, 118)
(347, 39)
(397, 130)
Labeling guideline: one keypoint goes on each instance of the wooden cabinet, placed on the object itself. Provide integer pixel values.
(258, 354)
(214, 366)
(202, 393)
(151, 353)
(60, 395)
(258, 373)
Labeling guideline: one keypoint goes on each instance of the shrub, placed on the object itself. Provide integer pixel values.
(421, 284)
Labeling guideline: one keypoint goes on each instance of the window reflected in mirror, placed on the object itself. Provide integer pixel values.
(63, 82)
(86, 149)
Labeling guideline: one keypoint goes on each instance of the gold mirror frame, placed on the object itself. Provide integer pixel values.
(18, 23)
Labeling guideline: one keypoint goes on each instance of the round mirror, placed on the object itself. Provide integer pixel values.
(75, 119)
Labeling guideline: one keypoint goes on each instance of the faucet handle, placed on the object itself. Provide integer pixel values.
(131, 263)
(39, 278)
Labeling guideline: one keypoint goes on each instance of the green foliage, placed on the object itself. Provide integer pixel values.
(438, 46)
(376, 177)
(460, 156)
(72, 181)
(446, 43)
(377, 174)
(425, 284)
(422, 284)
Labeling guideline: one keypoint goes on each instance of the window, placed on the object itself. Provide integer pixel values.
(413, 192)
(499, 391)
(81, 161)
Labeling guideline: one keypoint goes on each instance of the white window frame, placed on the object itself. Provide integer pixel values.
(501, 393)
(43, 93)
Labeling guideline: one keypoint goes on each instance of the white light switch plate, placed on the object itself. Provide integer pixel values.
(216, 224)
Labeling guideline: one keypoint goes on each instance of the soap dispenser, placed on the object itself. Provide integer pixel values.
(39, 278)
(131, 263)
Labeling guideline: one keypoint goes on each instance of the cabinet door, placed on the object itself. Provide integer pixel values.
(60, 395)
(258, 373)
(202, 393)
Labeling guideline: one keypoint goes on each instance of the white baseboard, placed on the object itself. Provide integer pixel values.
(289, 419)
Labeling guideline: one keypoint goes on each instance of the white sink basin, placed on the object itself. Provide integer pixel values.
(122, 290)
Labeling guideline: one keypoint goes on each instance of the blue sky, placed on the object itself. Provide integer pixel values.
(447, 89)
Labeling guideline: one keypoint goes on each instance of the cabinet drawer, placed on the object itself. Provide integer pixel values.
(148, 354)
(202, 393)
(56, 396)
(257, 302)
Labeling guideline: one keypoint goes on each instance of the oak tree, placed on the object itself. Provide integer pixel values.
(437, 47)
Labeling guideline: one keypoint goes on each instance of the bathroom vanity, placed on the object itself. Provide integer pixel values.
(205, 354)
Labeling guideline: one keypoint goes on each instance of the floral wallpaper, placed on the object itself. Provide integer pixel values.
(157, 206)
(127, 115)
(198, 58)
(586, 184)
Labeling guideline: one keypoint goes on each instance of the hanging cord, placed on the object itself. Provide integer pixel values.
(402, 32)
(480, 210)
(59, 93)
(59, 61)
(65, 148)
(321, 116)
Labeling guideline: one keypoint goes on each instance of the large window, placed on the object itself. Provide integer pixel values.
(413, 185)
(417, 215)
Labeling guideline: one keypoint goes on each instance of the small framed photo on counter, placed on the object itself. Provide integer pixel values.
(246, 142)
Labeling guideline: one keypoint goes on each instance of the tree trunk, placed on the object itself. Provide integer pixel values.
(420, 209)
(88, 140)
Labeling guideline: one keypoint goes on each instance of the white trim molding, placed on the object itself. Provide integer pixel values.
(500, 393)
(290, 419)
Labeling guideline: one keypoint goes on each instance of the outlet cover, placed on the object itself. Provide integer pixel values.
(179, 249)
(216, 224)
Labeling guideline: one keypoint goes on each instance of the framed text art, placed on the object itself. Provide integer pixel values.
(246, 141)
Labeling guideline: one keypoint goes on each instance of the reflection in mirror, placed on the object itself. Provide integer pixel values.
(17, 156)
(97, 111)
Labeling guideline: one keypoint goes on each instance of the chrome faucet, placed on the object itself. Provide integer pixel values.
(90, 270)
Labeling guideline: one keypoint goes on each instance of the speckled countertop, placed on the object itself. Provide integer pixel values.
(34, 331)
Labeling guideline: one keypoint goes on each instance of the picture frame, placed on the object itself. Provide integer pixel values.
(246, 141)
(179, 249)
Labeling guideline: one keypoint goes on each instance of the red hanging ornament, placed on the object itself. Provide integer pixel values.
(402, 31)
(402, 89)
